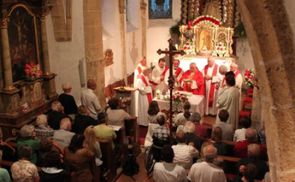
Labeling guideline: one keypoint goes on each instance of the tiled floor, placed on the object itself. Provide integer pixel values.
(142, 176)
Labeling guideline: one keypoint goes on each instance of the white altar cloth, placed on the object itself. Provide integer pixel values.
(196, 101)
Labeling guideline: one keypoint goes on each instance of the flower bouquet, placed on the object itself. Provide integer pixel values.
(32, 71)
(178, 99)
(250, 79)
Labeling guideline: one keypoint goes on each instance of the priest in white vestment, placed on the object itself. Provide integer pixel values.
(207, 171)
(143, 96)
(138, 70)
(212, 80)
(158, 76)
(238, 75)
(239, 79)
(229, 99)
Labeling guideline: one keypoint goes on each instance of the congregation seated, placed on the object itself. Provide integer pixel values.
(4, 174)
(222, 148)
(103, 132)
(8, 152)
(148, 141)
(78, 159)
(166, 170)
(201, 130)
(52, 168)
(82, 120)
(184, 154)
(42, 129)
(240, 148)
(240, 134)
(227, 130)
(55, 115)
(181, 118)
(63, 135)
(207, 170)
(116, 116)
(67, 100)
(153, 112)
(24, 169)
(161, 134)
(253, 157)
(189, 129)
(27, 137)
(93, 145)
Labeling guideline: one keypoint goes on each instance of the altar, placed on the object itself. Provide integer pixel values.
(196, 101)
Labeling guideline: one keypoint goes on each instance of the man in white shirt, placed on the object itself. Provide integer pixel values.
(90, 100)
(184, 154)
(207, 171)
(167, 171)
(158, 75)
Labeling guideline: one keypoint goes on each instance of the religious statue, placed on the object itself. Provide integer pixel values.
(108, 57)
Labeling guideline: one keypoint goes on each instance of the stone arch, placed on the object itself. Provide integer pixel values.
(271, 40)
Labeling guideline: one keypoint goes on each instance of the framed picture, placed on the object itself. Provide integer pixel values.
(160, 9)
(24, 40)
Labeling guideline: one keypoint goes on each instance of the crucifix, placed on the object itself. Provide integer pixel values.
(171, 52)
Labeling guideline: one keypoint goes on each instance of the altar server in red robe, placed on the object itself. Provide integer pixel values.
(143, 96)
(211, 81)
(192, 80)
(138, 70)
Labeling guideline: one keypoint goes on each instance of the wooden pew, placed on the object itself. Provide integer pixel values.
(108, 153)
(131, 129)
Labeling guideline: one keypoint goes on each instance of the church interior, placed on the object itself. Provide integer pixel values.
(147, 90)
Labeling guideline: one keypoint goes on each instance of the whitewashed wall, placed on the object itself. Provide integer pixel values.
(64, 56)
(245, 58)
(158, 33)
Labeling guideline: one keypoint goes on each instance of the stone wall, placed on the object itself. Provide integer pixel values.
(272, 44)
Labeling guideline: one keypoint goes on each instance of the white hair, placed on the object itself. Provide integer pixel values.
(41, 120)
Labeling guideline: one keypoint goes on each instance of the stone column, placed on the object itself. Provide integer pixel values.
(143, 6)
(122, 14)
(8, 82)
(49, 81)
(46, 65)
(93, 46)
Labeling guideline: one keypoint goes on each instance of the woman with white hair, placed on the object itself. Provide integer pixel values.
(42, 129)
(67, 100)
(27, 137)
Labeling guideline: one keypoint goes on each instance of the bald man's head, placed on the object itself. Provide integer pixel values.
(251, 135)
(210, 153)
(91, 84)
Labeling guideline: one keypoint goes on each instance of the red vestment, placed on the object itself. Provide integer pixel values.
(198, 78)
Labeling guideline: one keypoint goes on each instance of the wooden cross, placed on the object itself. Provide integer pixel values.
(171, 52)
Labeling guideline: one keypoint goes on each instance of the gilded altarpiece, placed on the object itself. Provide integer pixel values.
(27, 85)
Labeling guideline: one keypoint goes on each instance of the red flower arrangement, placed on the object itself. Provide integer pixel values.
(33, 70)
(178, 99)
(250, 79)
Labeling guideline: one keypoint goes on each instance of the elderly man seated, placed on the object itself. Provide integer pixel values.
(240, 148)
(207, 171)
(184, 154)
(253, 158)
